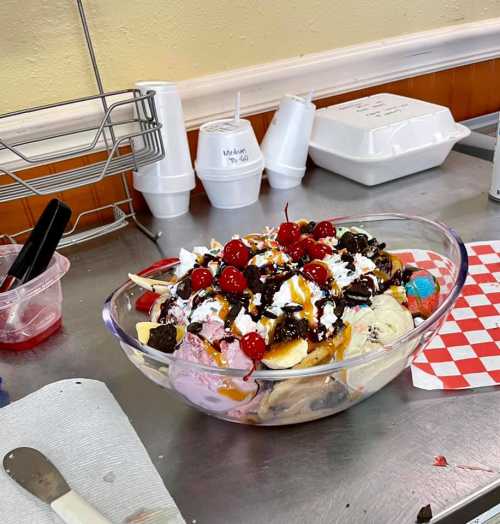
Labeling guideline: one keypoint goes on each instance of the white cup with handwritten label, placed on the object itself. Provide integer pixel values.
(229, 163)
(227, 145)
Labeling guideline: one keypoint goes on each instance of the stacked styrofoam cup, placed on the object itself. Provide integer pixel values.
(166, 185)
(229, 163)
(286, 142)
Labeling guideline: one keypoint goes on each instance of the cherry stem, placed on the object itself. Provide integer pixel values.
(286, 212)
(248, 375)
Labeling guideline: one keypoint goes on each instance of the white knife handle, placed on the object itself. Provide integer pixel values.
(75, 510)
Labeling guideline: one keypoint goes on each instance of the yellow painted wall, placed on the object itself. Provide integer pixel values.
(43, 58)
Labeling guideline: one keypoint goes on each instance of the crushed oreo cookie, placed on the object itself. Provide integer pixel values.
(252, 275)
(194, 328)
(163, 338)
(232, 314)
(424, 514)
(353, 242)
(290, 328)
(184, 288)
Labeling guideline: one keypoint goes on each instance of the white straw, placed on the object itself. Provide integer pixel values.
(237, 107)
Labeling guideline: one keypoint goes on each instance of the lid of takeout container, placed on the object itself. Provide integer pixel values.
(383, 125)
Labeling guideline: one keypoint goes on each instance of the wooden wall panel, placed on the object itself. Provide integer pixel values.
(468, 91)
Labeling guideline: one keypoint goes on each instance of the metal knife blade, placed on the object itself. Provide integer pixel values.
(35, 473)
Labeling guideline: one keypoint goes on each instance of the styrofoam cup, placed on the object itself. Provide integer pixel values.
(167, 205)
(177, 160)
(149, 180)
(167, 183)
(231, 192)
(286, 142)
(227, 145)
(279, 180)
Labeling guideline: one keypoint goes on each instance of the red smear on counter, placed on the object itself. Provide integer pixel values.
(34, 341)
(440, 460)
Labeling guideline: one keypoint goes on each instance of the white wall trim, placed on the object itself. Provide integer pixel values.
(340, 70)
(327, 73)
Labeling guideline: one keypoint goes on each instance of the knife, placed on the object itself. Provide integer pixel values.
(36, 474)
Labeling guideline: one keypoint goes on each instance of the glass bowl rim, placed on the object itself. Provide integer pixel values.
(281, 374)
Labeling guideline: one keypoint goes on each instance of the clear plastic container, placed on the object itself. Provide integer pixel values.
(31, 312)
(291, 396)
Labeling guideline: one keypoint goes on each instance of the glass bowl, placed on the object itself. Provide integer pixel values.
(276, 397)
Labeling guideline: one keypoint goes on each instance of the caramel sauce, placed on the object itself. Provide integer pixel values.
(346, 338)
(268, 323)
(215, 355)
(336, 289)
(395, 263)
(307, 303)
(381, 275)
(232, 393)
(224, 310)
(398, 294)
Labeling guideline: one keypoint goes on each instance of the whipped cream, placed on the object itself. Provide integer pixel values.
(270, 257)
(208, 310)
(187, 260)
(328, 318)
(344, 276)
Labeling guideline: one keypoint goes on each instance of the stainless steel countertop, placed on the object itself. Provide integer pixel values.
(372, 463)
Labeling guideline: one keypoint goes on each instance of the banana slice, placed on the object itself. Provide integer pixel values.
(143, 330)
(156, 286)
(325, 351)
(286, 354)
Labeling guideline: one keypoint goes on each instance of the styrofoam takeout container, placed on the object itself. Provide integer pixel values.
(31, 312)
(383, 137)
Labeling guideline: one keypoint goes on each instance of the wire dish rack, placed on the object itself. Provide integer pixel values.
(122, 125)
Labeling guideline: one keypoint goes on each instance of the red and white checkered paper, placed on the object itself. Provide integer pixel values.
(466, 351)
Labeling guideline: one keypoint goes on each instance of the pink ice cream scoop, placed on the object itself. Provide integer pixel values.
(213, 392)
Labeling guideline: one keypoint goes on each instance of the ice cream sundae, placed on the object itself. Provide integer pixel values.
(300, 295)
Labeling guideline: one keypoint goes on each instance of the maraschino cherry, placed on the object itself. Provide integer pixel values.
(296, 251)
(201, 278)
(236, 253)
(232, 280)
(288, 232)
(319, 250)
(254, 347)
(324, 229)
(317, 272)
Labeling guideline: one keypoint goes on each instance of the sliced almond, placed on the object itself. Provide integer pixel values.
(286, 354)
(156, 286)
